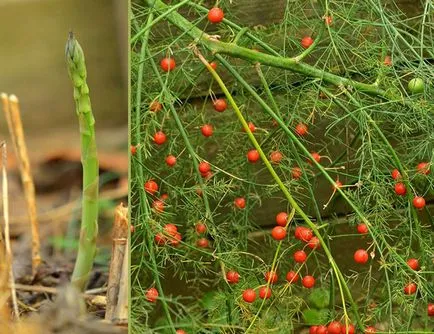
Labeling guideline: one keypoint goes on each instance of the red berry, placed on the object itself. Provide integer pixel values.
(151, 187)
(410, 288)
(171, 160)
(308, 281)
(370, 330)
(215, 15)
(361, 256)
(271, 277)
(303, 233)
(278, 233)
(338, 184)
(276, 157)
(252, 127)
(296, 172)
(297, 231)
(423, 168)
(321, 330)
(207, 175)
(159, 138)
(155, 106)
(282, 219)
(167, 64)
(240, 202)
(249, 295)
(362, 228)
(151, 295)
(419, 202)
(300, 256)
(253, 156)
(313, 329)
(202, 243)
(164, 197)
(430, 310)
(348, 330)
(301, 129)
(315, 156)
(220, 105)
(200, 228)
(400, 189)
(175, 240)
(204, 167)
(158, 205)
(264, 292)
(181, 331)
(160, 239)
(334, 327)
(413, 264)
(170, 229)
(387, 61)
(291, 276)
(213, 64)
(207, 130)
(314, 243)
(306, 42)
(232, 277)
(396, 174)
(133, 149)
(328, 20)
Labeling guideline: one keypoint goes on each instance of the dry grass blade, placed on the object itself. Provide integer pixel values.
(16, 131)
(5, 200)
(119, 251)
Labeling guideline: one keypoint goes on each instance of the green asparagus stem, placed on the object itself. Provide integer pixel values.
(89, 226)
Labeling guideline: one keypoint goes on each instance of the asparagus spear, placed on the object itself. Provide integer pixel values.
(89, 225)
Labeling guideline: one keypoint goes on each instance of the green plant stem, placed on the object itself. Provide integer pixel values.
(191, 151)
(317, 211)
(142, 193)
(341, 281)
(292, 64)
(89, 159)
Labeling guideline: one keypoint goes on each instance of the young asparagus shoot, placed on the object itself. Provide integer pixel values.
(89, 225)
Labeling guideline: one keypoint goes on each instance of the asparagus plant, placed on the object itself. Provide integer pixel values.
(89, 226)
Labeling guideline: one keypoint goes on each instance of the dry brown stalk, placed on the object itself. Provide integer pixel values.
(15, 125)
(5, 291)
(8, 259)
(119, 253)
(121, 314)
